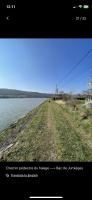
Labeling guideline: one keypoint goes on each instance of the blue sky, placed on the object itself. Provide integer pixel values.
(40, 64)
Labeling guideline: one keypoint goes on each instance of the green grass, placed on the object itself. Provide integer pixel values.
(73, 148)
(53, 133)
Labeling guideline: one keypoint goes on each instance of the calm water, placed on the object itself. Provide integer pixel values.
(13, 109)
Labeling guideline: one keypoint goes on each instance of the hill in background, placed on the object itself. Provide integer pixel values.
(11, 93)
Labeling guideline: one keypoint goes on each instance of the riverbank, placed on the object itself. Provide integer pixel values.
(50, 132)
(13, 109)
(8, 135)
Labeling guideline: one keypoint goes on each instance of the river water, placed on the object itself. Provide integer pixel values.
(13, 109)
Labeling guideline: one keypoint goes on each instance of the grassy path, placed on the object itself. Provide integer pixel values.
(73, 147)
(51, 135)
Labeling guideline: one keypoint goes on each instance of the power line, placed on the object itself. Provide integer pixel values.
(78, 76)
(76, 65)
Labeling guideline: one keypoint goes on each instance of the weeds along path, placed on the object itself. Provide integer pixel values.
(73, 148)
(83, 128)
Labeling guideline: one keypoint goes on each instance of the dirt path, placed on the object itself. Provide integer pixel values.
(52, 132)
(50, 135)
(60, 102)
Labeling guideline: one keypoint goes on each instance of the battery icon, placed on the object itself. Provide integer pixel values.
(86, 6)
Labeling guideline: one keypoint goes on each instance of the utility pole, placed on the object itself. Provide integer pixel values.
(90, 87)
(89, 99)
(56, 91)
